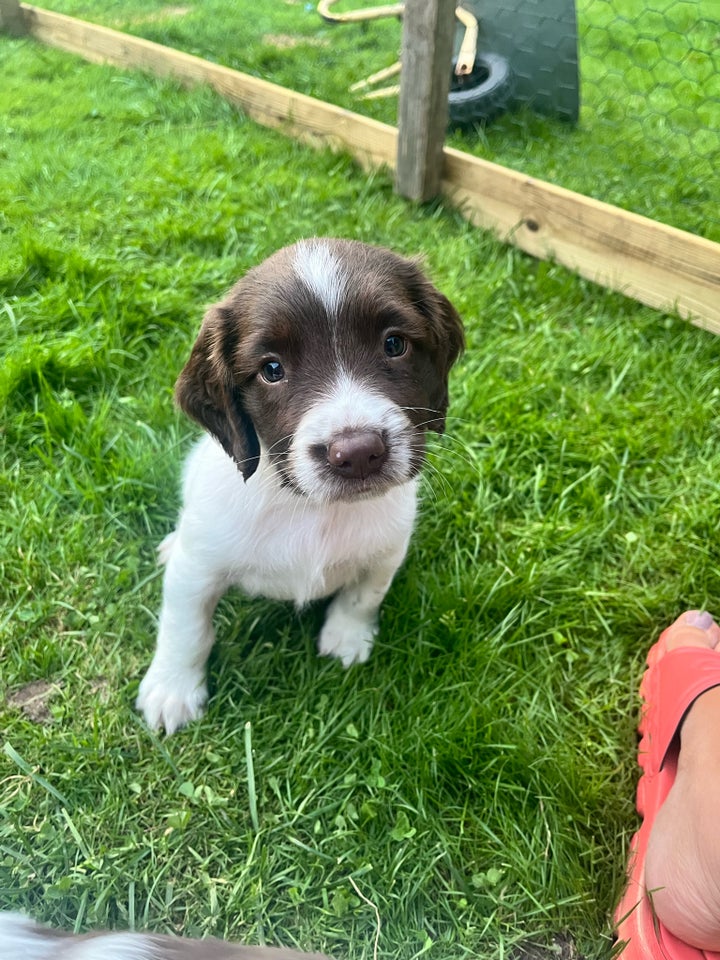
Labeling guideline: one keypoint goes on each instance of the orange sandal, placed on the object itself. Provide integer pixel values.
(672, 681)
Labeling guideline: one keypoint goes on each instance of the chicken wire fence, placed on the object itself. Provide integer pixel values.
(616, 99)
(630, 95)
(650, 81)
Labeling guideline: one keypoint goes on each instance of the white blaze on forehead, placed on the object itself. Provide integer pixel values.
(321, 272)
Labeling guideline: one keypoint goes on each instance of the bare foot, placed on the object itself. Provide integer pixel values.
(682, 867)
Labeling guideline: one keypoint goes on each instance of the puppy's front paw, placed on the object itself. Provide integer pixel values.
(171, 700)
(347, 639)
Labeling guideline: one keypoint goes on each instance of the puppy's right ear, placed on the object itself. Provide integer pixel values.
(206, 390)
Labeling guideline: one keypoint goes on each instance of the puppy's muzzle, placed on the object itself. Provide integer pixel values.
(356, 455)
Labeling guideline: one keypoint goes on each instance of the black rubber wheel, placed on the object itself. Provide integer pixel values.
(482, 94)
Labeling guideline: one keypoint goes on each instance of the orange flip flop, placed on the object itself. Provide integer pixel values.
(672, 681)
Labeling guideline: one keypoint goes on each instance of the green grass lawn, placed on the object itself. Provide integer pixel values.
(649, 75)
(475, 779)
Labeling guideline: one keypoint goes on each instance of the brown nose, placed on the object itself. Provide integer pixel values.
(357, 455)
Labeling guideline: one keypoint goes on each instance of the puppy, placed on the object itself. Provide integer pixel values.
(317, 378)
(23, 939)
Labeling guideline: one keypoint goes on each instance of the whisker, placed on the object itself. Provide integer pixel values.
(284, 439)
(447, 416)
(468, 457)
(430, 474)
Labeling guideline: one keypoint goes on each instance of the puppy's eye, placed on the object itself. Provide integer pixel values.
(395, 345)
(272, 371)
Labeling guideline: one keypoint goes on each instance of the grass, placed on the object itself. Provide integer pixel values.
(474, 781)
(649, 80)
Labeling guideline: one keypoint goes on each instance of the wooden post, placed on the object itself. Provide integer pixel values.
(658, 265)
(11, 18)
(428, 30)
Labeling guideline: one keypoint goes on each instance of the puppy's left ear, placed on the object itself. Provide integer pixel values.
(206, 390)
(449, 342)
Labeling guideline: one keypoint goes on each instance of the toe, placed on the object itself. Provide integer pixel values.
(694, 628)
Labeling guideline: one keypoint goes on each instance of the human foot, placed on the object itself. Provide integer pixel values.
(682, 866)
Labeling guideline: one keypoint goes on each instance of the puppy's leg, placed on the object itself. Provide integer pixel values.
(174, 691)
(351, 622)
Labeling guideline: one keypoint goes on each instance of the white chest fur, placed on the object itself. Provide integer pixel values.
(275, 543)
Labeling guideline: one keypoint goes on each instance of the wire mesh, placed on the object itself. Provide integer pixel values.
(617, 99)
(647, 131)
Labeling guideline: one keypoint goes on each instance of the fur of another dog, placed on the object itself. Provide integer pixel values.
(24, 939)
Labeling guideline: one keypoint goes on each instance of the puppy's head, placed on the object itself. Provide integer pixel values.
(331, 358)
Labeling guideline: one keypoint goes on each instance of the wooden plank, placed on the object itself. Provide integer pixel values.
(658, 265)
(428, 29)
(12, 20)
(357, 16)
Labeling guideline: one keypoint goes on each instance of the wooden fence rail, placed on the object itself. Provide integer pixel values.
(656, 264)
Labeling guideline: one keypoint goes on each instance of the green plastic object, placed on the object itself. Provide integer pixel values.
(538, 39)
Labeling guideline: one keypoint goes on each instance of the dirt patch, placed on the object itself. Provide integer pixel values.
(563, 948)
(32, 699)
(100, 688)
(283, 41)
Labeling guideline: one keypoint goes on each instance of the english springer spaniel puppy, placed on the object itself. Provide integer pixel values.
(23, 939)
(317, 378)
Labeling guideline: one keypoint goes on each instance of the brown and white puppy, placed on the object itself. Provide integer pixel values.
(23, 939)
(317, 377)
